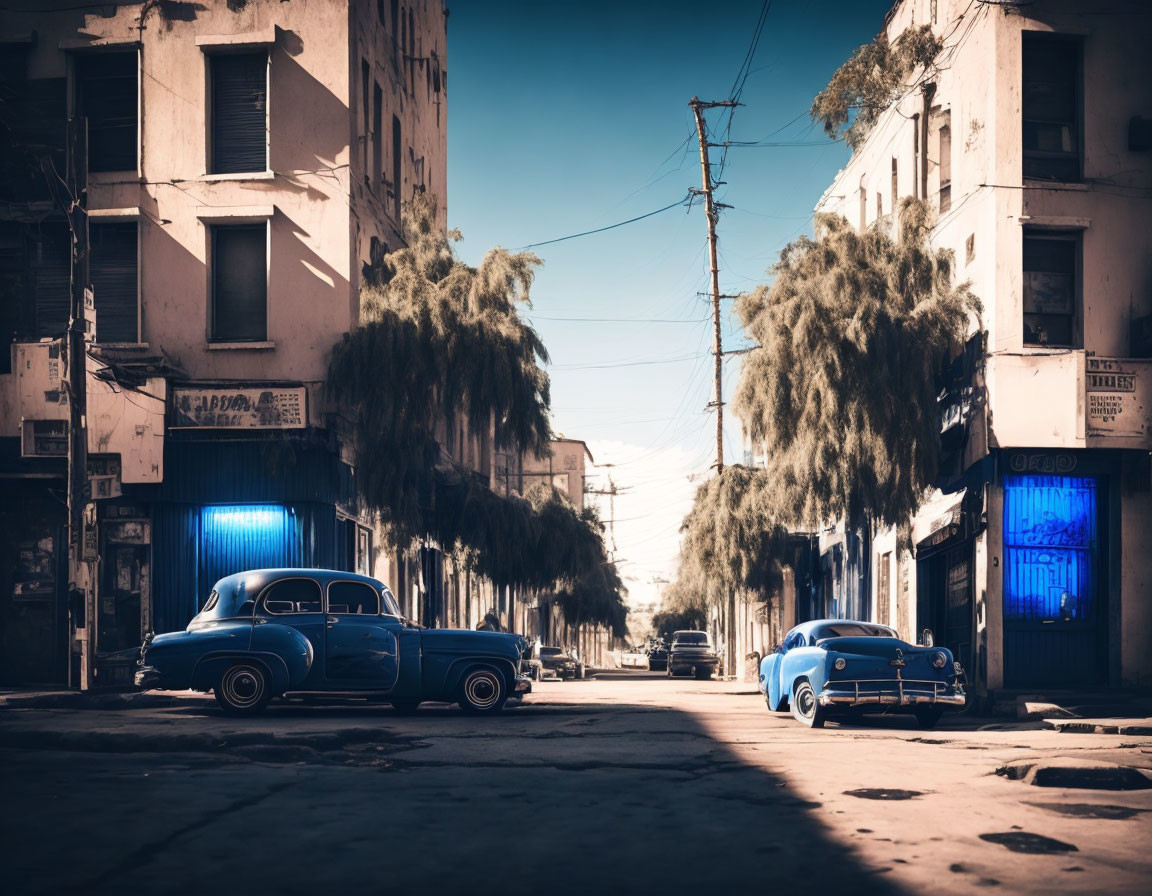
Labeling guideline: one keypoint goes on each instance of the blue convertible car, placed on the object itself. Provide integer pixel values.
(835, 667)
(270, 632)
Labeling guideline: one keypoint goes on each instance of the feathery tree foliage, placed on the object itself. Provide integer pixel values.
(853, 333)
(733, 537)
(867, 83)
(438, 340)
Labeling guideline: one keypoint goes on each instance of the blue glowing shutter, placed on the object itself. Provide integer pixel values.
(237, 537)
(1050, 548)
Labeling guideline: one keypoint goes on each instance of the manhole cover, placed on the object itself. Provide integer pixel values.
(882, 793)
(1022, 841)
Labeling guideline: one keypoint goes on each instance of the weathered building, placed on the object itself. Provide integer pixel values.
(1031, 137)
(245, 167)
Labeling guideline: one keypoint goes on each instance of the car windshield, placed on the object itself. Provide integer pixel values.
(691, 638)
(854, 630)
(550, 651)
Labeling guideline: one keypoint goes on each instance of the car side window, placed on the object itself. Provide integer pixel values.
(796, 639)
(353, 598)
(290, 596)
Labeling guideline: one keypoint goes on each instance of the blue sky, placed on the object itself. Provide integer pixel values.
(566, 117)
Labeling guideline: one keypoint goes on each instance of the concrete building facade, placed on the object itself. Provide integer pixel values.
(245, 167)
(1031, 138)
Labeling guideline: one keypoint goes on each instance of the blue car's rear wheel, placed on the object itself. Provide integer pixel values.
(243, 689)
(806, 709)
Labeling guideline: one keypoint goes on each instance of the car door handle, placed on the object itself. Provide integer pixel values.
(332, 620)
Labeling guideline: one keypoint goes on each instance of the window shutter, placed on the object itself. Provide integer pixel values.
(114, 281)
(52, 268)
(108, 99)
(240, 284)
(239, 113)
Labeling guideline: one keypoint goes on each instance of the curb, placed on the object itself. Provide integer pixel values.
(1134, 728)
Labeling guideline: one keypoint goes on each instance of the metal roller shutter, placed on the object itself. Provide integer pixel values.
(239, 113)
(114, 281)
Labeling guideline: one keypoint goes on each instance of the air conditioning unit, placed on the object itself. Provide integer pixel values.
(44, 438)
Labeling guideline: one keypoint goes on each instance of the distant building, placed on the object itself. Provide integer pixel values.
(245, 167)
(1031, 137)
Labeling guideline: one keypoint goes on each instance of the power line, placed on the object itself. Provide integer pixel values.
(686, 202)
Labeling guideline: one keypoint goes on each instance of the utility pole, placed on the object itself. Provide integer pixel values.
(698, 108)
(612, 491)
(81, 602)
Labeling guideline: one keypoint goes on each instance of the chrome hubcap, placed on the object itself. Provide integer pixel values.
(483, 689)
(242, 686)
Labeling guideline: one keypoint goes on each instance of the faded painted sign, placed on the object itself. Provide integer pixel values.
(279, 407)
(1117, 397)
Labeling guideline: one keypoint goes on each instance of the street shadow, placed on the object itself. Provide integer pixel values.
(556, 798)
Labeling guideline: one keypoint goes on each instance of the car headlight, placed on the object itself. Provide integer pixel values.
(939, 659)
(840, 663)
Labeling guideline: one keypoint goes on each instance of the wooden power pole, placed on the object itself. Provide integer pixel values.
(729, 616)
(80, 530)
(698, 108)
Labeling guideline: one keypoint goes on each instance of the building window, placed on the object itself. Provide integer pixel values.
(884, 589)
(239, 283)
(396, 174)
(945, 141)
(1051, 106)
(239, 139)
(377, 136)
(366, 131)
(1051, 287)
(106, 95)
(395, 30)
(895, 187)
(115, 281)
(879, 207)
(863, 207)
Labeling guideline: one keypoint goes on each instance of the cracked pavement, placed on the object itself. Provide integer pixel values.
(630, 783)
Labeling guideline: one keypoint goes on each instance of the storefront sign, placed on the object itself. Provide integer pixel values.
(1117, 397)
(280, 407)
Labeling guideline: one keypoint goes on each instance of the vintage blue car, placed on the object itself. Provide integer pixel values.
(833, 668)
(270, 632)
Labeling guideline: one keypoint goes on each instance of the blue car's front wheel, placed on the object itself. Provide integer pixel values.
(243, 689)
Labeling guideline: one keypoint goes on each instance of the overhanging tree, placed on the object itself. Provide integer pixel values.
(439, 340)
(853, 332)
(867, 83)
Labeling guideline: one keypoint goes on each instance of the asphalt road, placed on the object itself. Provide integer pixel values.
(633, 784)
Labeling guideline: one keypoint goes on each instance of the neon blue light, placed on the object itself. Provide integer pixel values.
(237, 537)
(245, 516)
(1050, 547)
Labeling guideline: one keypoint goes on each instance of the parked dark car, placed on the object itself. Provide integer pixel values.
(658, 657)
(555, 661)
(831, 668)
(270, 632)
(692, 651)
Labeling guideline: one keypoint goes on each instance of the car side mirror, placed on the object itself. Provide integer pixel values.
(926, 638)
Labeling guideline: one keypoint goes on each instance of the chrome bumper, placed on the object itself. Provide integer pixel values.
(892, 692)
(147, 677)
(522, 686)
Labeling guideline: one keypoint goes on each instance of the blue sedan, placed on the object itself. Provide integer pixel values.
(271, 632)
(834, 667)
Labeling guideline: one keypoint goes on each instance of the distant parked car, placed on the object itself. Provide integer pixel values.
(831, 667)
(633, 658)
(270, 632)
(556, 662)
(692, 651)
(658, 657)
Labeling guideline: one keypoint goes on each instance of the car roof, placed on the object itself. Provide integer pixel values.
(688, 631)
(233, 590)
(254, 579)
(808, 627)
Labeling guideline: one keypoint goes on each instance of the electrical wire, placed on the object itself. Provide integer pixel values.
(685, 202)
